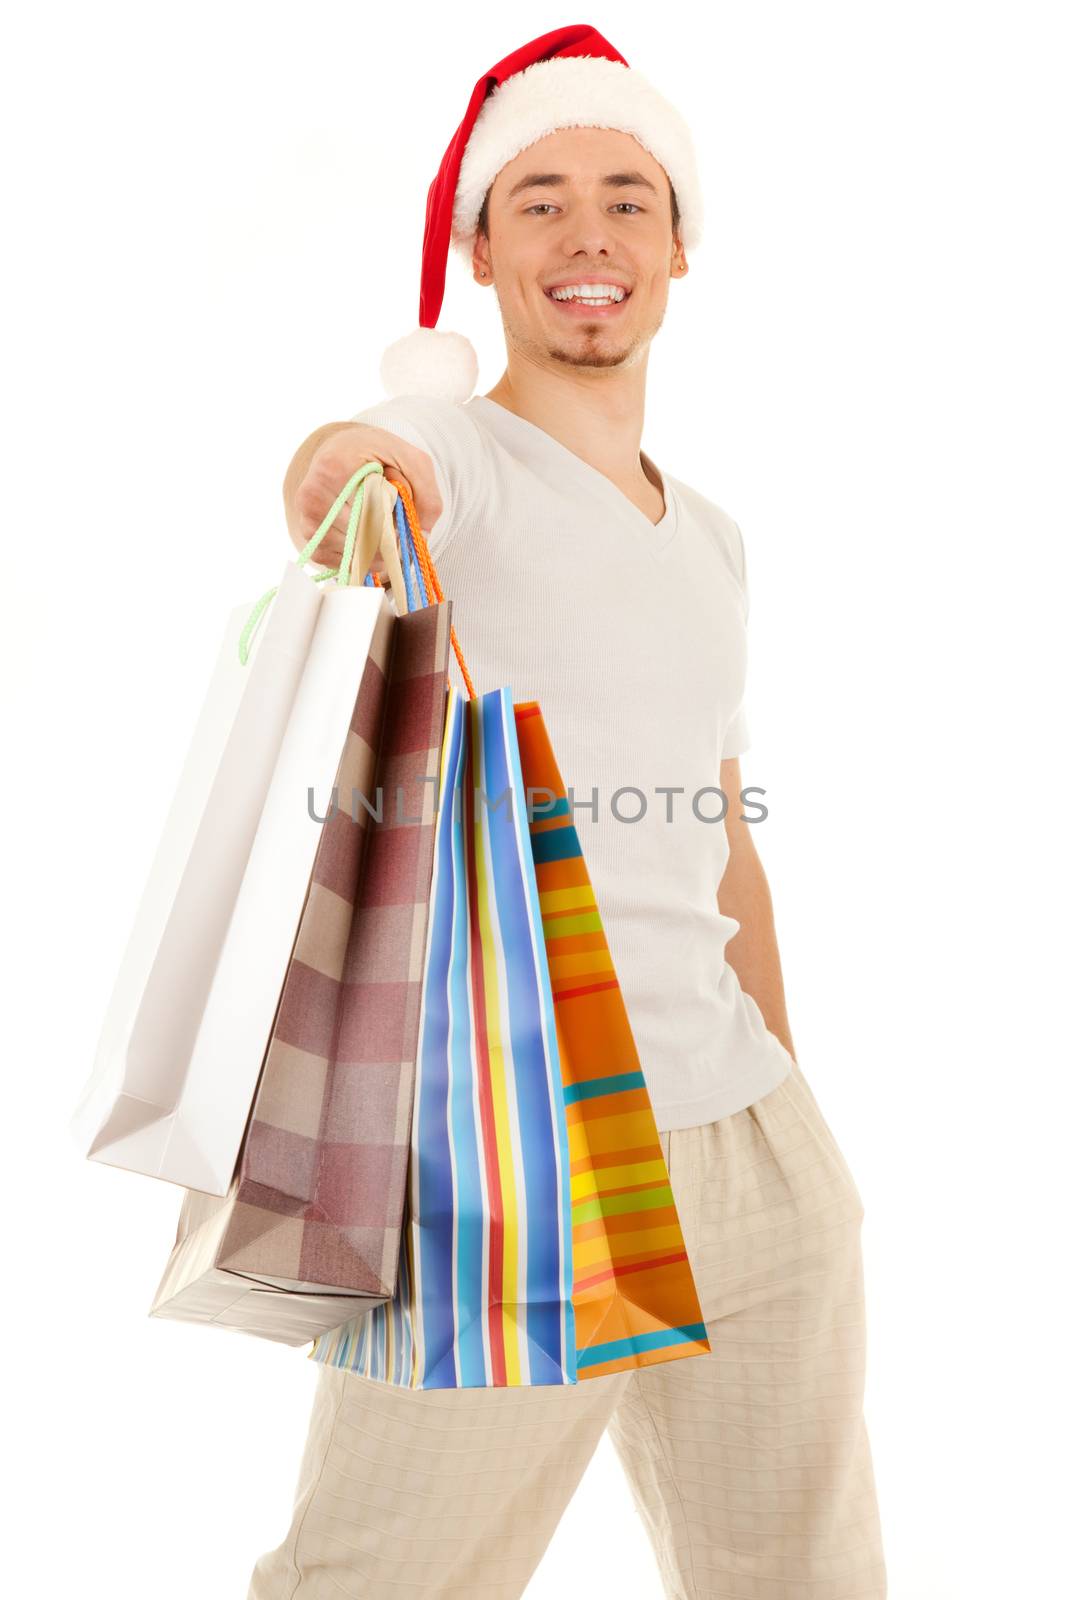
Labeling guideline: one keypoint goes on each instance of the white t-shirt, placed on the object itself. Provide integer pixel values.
(632, 637)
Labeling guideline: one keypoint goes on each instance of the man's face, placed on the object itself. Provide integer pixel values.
(585, 208)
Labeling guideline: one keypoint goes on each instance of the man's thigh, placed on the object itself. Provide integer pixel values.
(427, 1494)
(751, 1465)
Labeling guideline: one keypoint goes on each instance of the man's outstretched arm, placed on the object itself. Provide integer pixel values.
(745, 894)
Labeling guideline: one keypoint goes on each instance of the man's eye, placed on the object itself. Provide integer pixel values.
(545, 205)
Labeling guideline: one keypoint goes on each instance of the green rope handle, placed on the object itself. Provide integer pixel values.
(343, 573)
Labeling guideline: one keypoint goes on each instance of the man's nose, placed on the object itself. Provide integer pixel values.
(587, 231)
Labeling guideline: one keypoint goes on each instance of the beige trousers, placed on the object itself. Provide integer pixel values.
(749, 1466)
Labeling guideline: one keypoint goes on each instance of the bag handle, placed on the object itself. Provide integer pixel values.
(409, 534)
(409, 554)
(412, 572)
(352, 547)
(405, 511)
(413, 547)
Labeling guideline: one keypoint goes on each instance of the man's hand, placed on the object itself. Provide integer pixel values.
(323, 465)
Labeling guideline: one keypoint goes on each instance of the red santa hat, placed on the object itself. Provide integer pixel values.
(570, 78)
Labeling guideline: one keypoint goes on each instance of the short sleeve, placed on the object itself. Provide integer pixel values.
(451, 438)
(737, 738)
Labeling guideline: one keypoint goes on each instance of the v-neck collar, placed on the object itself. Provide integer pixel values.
(659, 533)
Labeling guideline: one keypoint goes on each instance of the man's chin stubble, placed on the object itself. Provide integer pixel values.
(585, 356)
(588, 358)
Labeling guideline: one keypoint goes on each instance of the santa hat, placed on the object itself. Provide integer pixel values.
(570, 78)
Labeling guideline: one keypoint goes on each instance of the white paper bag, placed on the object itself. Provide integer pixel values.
(183, 1041)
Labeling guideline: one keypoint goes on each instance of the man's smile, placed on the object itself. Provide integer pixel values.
(588, 297)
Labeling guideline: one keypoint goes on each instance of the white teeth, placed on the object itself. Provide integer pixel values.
(597, 294)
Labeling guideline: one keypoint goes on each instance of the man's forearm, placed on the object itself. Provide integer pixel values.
(753, 952)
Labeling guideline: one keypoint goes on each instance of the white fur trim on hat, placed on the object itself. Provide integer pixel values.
(574, 92)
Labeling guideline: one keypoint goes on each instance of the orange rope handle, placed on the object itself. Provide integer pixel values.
(429, 573)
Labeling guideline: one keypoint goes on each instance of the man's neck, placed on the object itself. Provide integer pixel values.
(598, 416)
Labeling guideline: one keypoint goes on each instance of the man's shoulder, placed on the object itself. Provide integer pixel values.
(713, 521)
(429, 415)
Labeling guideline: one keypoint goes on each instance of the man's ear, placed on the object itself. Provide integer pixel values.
(679, 264)
(481, 261)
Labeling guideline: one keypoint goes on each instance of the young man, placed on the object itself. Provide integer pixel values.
(585, 577)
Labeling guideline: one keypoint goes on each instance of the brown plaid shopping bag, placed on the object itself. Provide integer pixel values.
(309, 1233)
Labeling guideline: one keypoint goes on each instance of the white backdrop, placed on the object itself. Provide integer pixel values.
(216, 218)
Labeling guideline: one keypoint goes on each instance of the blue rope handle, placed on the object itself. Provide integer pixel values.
(342, 573)
(407, 537)
(413, 579)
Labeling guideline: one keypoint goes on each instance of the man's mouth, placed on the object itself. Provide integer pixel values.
(595, 297)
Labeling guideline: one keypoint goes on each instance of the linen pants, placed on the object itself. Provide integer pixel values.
(749, 1466)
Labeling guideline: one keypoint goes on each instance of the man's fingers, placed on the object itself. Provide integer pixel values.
(406, 462)
(339, 456)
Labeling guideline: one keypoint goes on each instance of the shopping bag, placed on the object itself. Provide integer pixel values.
(541, 1242)
(184, 1036)
(635, 1301)
(310, 1229)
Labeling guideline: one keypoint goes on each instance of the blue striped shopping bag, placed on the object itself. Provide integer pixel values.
(484, 1293)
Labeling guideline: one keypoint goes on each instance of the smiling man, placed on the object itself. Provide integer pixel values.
(587, 578)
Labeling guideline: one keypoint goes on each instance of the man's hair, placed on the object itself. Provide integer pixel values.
(483, 215)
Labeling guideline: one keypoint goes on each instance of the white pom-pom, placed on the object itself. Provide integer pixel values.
(431, 362)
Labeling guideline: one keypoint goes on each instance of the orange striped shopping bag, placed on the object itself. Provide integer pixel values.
(634, 1299)
(541, 1240)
